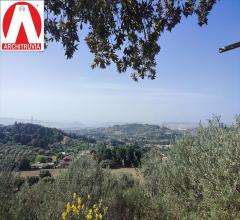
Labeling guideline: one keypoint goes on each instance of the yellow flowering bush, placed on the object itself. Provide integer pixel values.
(81, 209)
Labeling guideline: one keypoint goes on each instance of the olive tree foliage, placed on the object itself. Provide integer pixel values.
(7, 186)
(123, 32)
(200, 179)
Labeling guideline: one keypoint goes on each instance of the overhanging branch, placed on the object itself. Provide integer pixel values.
(229, 47)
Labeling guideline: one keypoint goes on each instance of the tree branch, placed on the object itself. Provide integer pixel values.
(229, 47)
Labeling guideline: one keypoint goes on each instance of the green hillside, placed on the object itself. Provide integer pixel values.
(141, 133)
(30, 134)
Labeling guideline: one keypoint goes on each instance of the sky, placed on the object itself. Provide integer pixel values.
(194, 81)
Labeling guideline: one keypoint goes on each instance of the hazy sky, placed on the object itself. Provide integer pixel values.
(194, 80)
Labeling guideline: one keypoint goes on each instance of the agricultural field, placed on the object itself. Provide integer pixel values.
(56, 172)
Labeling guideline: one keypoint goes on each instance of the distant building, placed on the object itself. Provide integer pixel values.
(68, 159)
(38, 165)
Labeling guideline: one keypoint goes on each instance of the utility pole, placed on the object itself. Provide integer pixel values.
(31, 120)
(229, 47)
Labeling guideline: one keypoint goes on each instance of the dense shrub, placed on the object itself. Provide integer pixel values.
(31, 180)
(44, 173)
(23, 164)
(19, 182)
(48, 179)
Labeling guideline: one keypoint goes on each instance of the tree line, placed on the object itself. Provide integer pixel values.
(121, 156)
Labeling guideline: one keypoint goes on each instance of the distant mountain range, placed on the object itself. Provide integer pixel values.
(79, 126)
(50, 124)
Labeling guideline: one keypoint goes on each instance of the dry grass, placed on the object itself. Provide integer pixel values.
(54, 172)
(133, 171)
